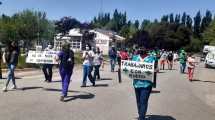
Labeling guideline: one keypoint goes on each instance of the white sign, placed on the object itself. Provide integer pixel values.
(42, 57)
(138, 70)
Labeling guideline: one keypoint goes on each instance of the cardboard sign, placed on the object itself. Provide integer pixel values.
(42, 57)
(138, 70)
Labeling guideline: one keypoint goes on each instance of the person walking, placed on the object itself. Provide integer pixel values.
(66, 59)
(190, 66)
(142, 88)
(47, 68)
(182, 60)
(88, 57)
(163, 59)
(97, 61)
(113, 56)
(170, 60)
(175, 57)
(10, 57)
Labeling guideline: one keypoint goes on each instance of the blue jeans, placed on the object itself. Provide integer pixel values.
(65, 76)
(87, 73)
(11, 69)
(182, 67)
(96, 72)
(142, 97)
(112, 64)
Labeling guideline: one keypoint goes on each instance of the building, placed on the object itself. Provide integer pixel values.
(74, 37)
(103, 39)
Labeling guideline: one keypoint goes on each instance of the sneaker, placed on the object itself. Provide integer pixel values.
(4, 89)
(13, 87)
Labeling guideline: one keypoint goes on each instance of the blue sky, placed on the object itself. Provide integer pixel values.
(85, 10)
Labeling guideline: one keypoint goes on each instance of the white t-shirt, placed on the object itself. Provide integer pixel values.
(88, 58)
(190, 62)
(175, 56)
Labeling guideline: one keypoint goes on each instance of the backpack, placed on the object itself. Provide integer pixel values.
(67, 60)
(170, 56)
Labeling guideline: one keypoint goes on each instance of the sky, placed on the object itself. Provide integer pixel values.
(85, 10)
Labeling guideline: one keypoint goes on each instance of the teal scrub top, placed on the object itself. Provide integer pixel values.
(143, 83)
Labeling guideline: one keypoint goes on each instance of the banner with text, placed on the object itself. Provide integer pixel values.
(42, 57)
(138, 70)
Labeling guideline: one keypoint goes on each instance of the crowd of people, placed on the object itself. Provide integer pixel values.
(93, 59)
(143, 88)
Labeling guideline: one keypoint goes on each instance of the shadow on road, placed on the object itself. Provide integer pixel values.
(30, 88)
(159, 117)
(155, 92)
(56, 81)
(104, 79)
(195, 80)
(101, 85)
(83, 96)
(59, 90)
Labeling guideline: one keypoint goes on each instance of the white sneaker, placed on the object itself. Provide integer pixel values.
(4, 89)
(13, 87)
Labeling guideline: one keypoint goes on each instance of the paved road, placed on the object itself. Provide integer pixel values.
(174, 98)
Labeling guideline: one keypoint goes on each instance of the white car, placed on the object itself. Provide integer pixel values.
(210, 60)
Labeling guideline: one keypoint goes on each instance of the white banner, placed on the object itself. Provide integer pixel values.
(42, 57)
(138, 70)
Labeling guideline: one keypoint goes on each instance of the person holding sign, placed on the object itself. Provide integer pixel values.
(142, 88)
(47, 68)
(66, 58)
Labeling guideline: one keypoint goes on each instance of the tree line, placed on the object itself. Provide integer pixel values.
(28, 27)
(172, 31)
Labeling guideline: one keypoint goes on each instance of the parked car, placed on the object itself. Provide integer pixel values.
(210, 60)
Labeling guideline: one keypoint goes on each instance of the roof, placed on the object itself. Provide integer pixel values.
(75, 32)
(110, 34)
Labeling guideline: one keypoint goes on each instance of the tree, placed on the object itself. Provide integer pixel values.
(171, 18)
(144, 24)
(209, 34)
(67, 23)
(197, 23)
(177, 19)
(183, 19)
(136, 24)
(165, 18)
(189, 22)
(206, 21)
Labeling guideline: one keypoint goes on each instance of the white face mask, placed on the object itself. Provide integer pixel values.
(49, 46)
(87, 48)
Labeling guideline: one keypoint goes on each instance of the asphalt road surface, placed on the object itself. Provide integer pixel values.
(175, 98)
